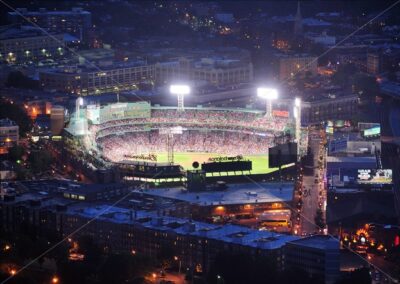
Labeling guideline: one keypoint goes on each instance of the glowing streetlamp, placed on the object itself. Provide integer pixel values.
(180, 263)
(180, 91)
(269, 95)
(55, 280)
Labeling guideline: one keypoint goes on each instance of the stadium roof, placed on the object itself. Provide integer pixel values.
(235, 194)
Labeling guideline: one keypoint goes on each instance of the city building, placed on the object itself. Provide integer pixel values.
(125, 228)
(87, 80)
(19, 44)
(373, 63)
(323, 39)
(389, 109)
(318, 255)
(294, 64)
(9, 134)
(216, 71)
(57, 118)
(75, 22)
(265, 205)
(339, 108)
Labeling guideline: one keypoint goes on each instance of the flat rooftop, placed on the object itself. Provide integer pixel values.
(235, 194)
(151, 220)
(318, 242)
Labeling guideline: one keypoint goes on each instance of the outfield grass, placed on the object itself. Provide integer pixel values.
(259, 162)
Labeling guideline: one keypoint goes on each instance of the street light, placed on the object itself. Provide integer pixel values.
(269, 95)
(180, 263)
(55, 280)
(180, 91)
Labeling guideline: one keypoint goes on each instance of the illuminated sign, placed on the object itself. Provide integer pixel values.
(374, 131)
(374, 176)
(149, 157)
(225, 159)
(280, 113)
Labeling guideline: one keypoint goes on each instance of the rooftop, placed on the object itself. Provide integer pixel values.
(5, 122)
(318, 242)
(43, 11)
(226, 233)
(15, 31)
(76, 70)
(235, 194)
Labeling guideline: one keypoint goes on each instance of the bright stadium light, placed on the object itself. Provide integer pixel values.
(297, 102)
(180, 91)
(269, 95)
(80, 101)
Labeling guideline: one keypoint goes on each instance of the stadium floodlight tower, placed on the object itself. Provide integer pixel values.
(78, 104)
(269, 95)
(297, 116)
(180, 91)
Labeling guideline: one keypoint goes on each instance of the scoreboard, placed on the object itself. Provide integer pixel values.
(231, 166)
(125, 110)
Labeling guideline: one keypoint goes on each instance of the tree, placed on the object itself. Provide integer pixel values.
(17, 79)
(118, 268)
(233, 267)
(359, 276)
(342, 75)
(40, 160)
(319, 219)
(16, 152)
(366, 86)
(17, 114)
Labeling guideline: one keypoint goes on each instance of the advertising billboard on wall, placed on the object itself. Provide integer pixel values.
(374, 176)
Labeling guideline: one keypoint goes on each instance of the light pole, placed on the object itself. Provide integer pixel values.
(269, 95)
(297, 116)
(180, 263)
(180, 91)
(78, 103)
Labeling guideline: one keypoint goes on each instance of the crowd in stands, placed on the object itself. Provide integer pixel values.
(115, 147)
(225, 132)
(214, 119)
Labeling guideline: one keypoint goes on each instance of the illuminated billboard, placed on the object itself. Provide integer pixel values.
(374, 176)
(280, 113)
(374, 131)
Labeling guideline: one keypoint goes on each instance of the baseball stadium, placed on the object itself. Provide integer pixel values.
(139, 133)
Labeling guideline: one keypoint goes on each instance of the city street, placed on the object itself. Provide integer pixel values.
(314, 189)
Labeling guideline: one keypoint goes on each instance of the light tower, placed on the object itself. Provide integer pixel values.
(180, 91)
(78, 103)
(170, 132)
(269, 95)
(297, 116)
